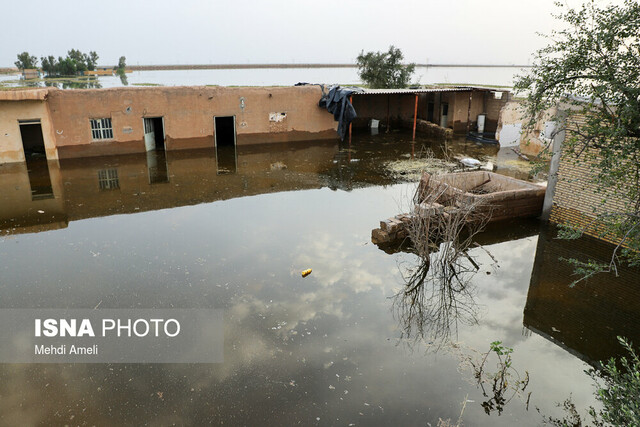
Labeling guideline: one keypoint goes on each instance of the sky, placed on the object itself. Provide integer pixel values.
(286, 31)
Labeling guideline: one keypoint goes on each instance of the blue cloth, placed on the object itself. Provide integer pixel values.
(337, 103)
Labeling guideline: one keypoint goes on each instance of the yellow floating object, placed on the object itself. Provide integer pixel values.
(307, 272)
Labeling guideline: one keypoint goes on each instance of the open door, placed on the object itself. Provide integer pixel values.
(32, 139)
(153, 133)
(444, 115)
(36, 158)
(224, 130)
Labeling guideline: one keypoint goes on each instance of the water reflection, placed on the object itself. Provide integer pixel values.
(431, 308)
(100, 186)
(31, 197)
(585, 319)
(70, 83)
(226, 160)
(39, 178)
(123, 78)
(319, 350)
(157, 166)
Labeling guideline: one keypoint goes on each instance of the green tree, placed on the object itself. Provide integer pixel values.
(122, 63)
(79, 59)
(592, 67)
(92, 60)
(384, 69)
(66, 67)
(49, 65)
(26, 61)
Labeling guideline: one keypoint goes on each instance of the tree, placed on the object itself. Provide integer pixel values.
(593, 68)
(79, 59)
(92, 60)
(120, 70)
(26, 61)
(384, 69)
(66, 67)
(49, 65)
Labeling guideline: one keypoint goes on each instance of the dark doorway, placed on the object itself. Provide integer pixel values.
(36, 158)
(430, 111)
(224, 129)
(32, 140)
(158, 124)
(154, 133)
(444, 115)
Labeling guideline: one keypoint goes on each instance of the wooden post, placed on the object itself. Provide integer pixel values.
(388, 101)
(415, 118)
(469, 113)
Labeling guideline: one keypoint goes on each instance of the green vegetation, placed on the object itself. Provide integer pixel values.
(121, 71)
(618, 388)
(593, 68)
(384, 69)
(26, 61)
(505, 383)
(75, 62)
(122, 64)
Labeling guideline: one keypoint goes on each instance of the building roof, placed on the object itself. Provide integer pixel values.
(423, 90)
(24, 94)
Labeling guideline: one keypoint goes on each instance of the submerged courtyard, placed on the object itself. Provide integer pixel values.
(190, 229)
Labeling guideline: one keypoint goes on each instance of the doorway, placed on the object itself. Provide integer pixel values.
(154, 133)
(224, 131)
(430, 111)
(35, 157)
(32, 139)
(444, 115)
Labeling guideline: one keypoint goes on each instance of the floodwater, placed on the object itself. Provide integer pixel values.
(498, 76)
(170, 231)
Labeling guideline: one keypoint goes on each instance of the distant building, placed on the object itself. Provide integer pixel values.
(30, 73)
(99, 71)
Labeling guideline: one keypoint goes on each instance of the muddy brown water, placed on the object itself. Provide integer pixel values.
(170, 231)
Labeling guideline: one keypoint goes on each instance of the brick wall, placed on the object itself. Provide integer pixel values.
(577, 200)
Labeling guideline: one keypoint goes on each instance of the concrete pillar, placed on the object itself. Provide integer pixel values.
(556, 148)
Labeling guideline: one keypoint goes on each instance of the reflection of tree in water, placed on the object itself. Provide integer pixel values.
(123, 78)
(435, 298)
(74, 83)
(89, 83)
(438, 293)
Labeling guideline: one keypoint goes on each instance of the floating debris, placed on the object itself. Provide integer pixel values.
(470, 163)
(412, 169)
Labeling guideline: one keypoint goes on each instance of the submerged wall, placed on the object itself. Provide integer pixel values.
(263, 115)
(16, 106)
(584, 319)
